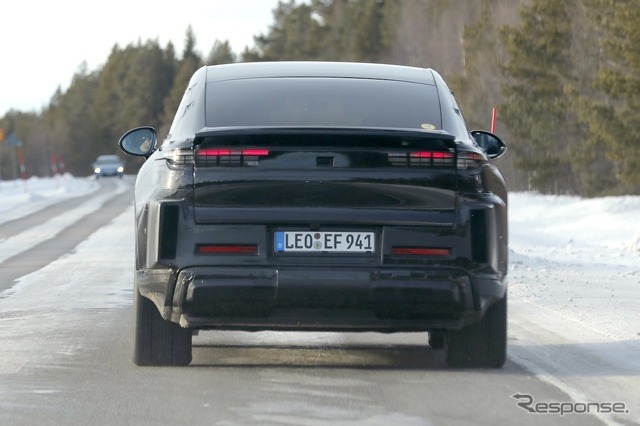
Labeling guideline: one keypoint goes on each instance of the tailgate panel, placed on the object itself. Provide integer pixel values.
(349, 176)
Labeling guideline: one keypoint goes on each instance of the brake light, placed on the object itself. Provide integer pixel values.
(246, 249)
(437, 155)
(213, 152)
(422, 158)
(420, 251)
(256, 152)
(229, 157)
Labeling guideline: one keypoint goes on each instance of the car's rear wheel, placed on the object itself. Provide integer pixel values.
(156, 341)
(481, 345)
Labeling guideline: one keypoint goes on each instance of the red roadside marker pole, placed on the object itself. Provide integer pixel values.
(494, 118)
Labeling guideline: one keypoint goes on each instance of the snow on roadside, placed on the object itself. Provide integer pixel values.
(64, 285)
(571, 230)
(107, 252)
(51, 303)
(574, 296)
(20, 198)
(579, 257)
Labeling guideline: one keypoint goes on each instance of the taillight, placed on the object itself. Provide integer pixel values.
(420, 251)
(229, 157)
(179, 157)
(243, 249)
(470, 160)
(422, 158)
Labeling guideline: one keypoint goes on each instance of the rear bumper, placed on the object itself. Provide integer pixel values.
(378, 292)
(341, 299)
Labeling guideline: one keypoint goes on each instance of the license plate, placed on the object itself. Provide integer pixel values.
(331, 242)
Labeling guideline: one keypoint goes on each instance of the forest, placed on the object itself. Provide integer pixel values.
(563, 75)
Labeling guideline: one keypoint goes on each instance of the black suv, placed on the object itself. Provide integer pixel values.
(320, 196)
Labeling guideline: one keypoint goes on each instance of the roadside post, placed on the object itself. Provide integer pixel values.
(17, 144)
(494, 119)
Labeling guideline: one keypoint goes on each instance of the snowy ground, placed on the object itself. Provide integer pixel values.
(580, 258)
(20, 198)
(574, 295)
(574, 284)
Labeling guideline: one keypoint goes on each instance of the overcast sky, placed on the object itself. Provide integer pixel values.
(43, 42)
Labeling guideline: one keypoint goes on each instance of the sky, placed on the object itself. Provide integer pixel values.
(43, 42)
(574, 285)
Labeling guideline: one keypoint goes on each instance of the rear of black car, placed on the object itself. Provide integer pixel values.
(323, 203)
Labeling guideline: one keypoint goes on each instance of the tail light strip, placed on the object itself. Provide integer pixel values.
(422, 158)
(464, 160)
(179, 157)
(251, 157)
(470, 160)
(229, 157)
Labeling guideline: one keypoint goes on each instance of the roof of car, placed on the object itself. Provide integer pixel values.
(319, 69)
(108, 158)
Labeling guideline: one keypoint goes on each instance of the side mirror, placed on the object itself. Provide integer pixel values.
(492, 145)
(140, 141)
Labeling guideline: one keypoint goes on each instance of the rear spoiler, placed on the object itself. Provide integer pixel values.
(208, 132)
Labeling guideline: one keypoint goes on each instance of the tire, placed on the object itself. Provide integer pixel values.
(158, 342)
(481, 345)
(437, 339)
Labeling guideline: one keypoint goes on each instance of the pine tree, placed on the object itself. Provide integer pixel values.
(130, 91)
(221, 53)
(614, 120)
(188, 64)
(374, 20)
(70, 117)
(296, 34)
(536, 107)
(478, 81)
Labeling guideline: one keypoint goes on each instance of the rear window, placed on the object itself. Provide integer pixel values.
(108, 159)
(322, 102)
